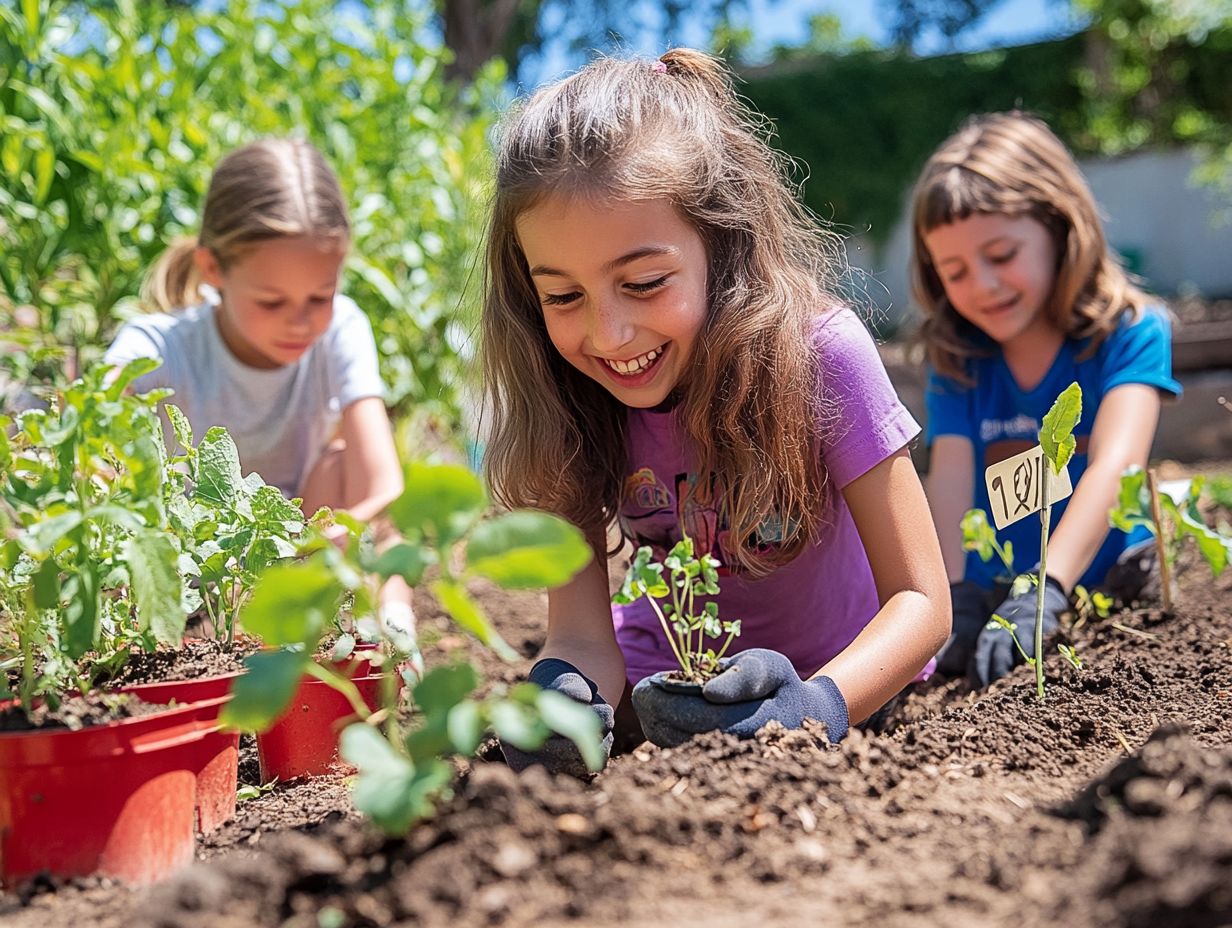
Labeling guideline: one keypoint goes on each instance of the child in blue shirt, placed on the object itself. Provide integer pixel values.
(1022, 297)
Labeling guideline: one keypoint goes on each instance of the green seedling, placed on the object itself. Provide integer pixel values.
(1070, 655)
(444, 524)
(1058, 443)
(686, 628)
(1090, 606)
(88, 558)
(1139, 503)
(249, 792)
(979, 536)
(229, 527)
(1065, 650)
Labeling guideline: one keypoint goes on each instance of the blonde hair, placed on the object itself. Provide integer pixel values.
(672, 130)
(273, 188)
(1012, 164)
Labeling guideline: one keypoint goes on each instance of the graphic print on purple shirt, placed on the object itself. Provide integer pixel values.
(813, 607)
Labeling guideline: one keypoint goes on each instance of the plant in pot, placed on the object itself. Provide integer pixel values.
(401, 752)
(692, 633)
(91, 781)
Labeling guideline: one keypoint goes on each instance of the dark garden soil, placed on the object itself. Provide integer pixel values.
(197, 658)
(1108, 805)
(78, 713)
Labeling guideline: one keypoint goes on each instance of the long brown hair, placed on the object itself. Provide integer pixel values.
(674, 130)
(1012, 164)
(270, 189)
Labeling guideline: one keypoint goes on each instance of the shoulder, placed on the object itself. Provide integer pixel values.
(153, 335)
(348, 315)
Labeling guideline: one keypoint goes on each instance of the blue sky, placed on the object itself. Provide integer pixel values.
(786, 22)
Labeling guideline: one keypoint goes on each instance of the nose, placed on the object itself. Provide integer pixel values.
(986, 277)
(611, 327)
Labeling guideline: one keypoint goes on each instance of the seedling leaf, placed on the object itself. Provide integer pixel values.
(259, 696)
(527, 550)
(156, 584)
(1056, 433)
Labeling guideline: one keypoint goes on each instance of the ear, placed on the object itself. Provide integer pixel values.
(208, 267)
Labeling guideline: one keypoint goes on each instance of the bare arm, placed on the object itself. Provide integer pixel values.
(1122, 435)
(372, 476)
(580, 628)
(892, 517)
(951, 492)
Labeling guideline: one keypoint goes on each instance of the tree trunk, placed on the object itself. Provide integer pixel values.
(475, 32)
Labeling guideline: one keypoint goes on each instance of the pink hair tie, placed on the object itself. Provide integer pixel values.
(659, 67)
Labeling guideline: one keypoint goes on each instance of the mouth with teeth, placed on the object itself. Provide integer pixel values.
(635, 368)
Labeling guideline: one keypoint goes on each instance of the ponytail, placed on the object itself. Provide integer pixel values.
(173, 282)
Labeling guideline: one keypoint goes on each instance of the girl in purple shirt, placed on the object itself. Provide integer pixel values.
(663, 354)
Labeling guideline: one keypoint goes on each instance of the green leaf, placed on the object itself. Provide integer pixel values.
(468, 614)
(293, 602)
(404, 560)
(465, 726)
(218, 478)
(81, 615)
(442, 688)
(156, 585)
(46, 584)
(527, 550)
(390, 789)
(45, 535)
(260, 695)
(440, 502)
(1056, 433)
(520, 724)
(138, 367)
(577, 722)
(180, 425)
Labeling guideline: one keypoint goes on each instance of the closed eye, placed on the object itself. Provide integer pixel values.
(648, 286)
(1003, 259)
(559, 299)
(271, 305)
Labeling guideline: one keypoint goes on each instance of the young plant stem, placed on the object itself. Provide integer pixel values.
(1165, 569)
(668, 633)
(1045, 519)
(342, 684)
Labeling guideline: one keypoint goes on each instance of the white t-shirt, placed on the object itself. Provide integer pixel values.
(281, 419)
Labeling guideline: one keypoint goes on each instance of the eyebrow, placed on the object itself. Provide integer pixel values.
(648, 251)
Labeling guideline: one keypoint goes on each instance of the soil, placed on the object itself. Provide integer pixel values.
(195, 659)
(78, 712)
(1110, 804)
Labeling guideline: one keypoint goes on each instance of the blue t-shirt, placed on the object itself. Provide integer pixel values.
(1001, 420)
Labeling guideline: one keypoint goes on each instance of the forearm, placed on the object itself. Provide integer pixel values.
(601, 661)
(891, 650)
(1080, 533)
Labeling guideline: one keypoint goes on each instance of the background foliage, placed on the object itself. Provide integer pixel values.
(112, 116)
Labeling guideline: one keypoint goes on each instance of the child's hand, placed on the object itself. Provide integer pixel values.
(971, 611)
(559, 754)
(995, 654)
(755, 687)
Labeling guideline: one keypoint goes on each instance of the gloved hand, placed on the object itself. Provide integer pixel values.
(995, 653)
(754, 687)
(970, 608)
(559, 754)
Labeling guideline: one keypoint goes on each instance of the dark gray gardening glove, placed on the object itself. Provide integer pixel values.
(971, 609)
(755, 687)
(559, 754)
(995, 654)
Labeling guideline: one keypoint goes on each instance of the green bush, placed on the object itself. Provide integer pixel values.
(113, 115)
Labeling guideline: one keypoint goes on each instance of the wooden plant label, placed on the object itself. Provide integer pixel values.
(1014, 486)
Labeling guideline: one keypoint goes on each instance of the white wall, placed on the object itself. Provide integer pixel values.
(1151, 204)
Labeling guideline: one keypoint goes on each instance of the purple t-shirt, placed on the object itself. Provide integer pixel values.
(813, 607)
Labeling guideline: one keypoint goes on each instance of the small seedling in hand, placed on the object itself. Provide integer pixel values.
(686, 628)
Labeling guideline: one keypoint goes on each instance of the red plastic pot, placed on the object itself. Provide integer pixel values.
(115, 800)
(218, 755)
(304, 740)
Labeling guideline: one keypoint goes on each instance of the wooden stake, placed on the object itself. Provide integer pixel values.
(1165, 571)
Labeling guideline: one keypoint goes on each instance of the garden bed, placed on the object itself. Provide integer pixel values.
(1110, 805)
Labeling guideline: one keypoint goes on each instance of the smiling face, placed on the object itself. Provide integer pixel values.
(998, 272)
(277, 299)
(623, 290)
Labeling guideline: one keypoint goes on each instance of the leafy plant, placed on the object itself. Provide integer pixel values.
(1091, 605)
(686, 628)
(979, 536)
(88, 560)
(442, 517)
(229, 527)
(1140, 504)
